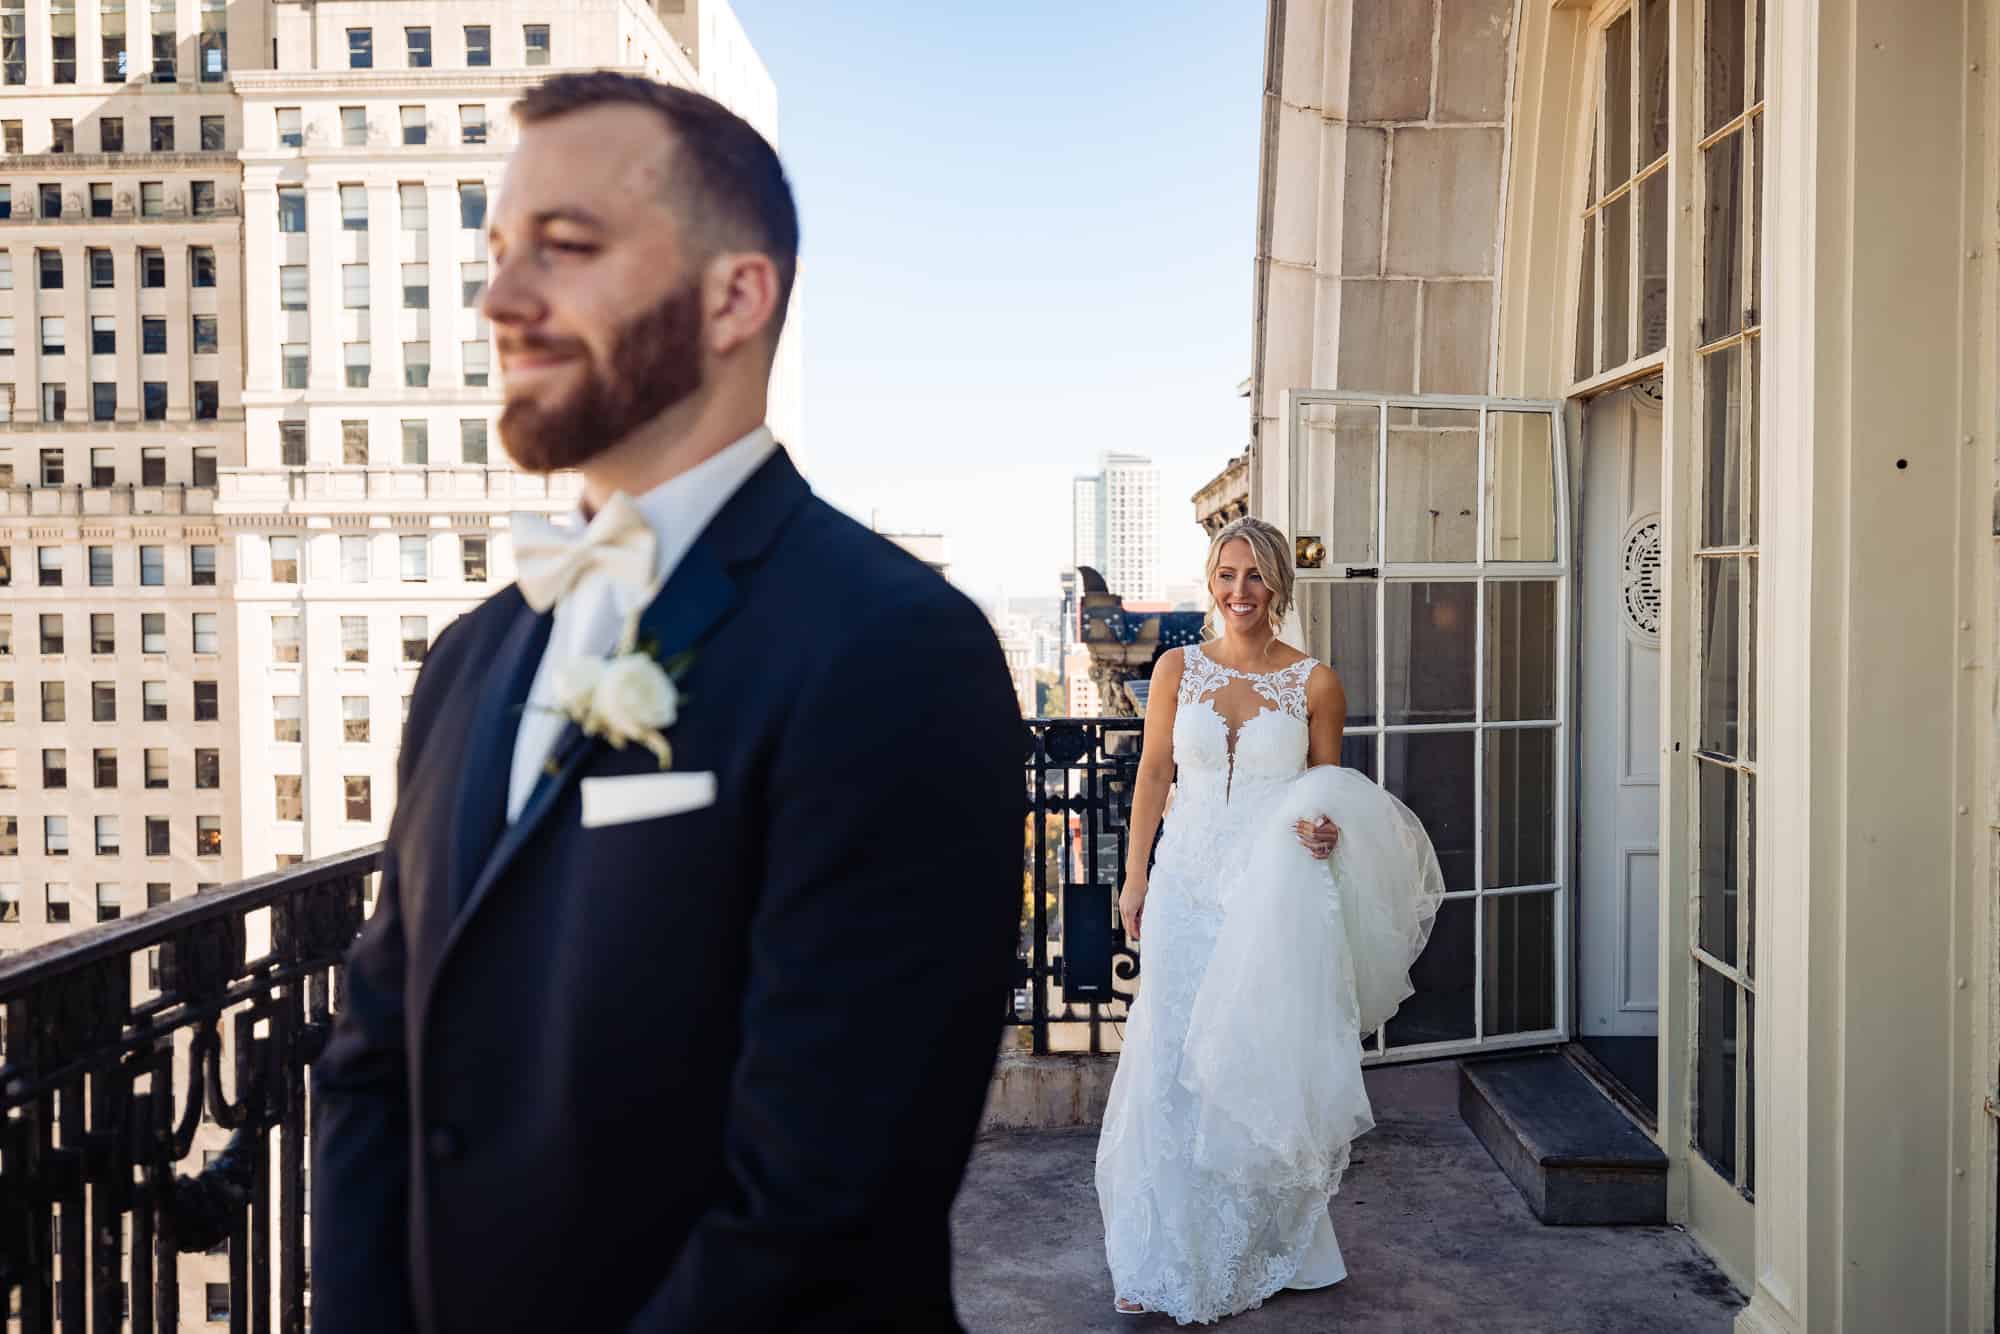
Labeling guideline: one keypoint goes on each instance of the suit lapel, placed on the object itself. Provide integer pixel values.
(481, 811)
(696, 598)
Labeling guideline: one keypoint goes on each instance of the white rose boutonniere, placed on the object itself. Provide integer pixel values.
(628, 697)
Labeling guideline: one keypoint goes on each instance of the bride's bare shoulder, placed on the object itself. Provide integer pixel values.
(1168, 666)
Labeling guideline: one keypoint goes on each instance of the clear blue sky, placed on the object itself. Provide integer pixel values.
(1027, 237)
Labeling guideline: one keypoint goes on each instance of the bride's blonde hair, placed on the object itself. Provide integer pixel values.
(1268, 551)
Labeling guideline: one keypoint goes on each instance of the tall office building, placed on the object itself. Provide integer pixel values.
(1115, 515)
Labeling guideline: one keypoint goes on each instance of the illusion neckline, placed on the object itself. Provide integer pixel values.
(1247, 676)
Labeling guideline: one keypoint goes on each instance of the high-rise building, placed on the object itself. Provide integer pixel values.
(1115, 521)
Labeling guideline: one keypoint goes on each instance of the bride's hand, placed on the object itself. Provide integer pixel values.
(1319, 838)
(1132, 907)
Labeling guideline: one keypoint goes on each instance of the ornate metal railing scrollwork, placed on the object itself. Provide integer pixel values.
(121, 1042)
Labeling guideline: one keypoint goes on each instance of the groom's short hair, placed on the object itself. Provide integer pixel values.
(724, 176)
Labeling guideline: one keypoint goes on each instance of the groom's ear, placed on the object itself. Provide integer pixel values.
(739, 301)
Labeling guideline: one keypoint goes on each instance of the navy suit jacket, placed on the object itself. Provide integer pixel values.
(717, 1070)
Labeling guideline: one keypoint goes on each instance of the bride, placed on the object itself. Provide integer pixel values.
(1287, 902)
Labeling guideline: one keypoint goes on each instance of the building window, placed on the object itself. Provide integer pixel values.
(51, 206)
(10, 836)
(157, 893)
(416, 287)
(418, 43)
(100, 199)
(152, 567)
(354, 639)
(214, 135)
(208, 769)
(207, 706)
(154, 406)
(201, 198)
(105, 831)
(472, 440)
(354, 208)
(103, 401)
(52, 467)
(416, 443)
(111, 134)
(285, 639)
(354, 443)
(152, 199)
(100, 563)
(103, 468)
(153, 631)
(354, 718)
(360, 804)
(55, 835)
(361, 48)
(153, 335)
(10, 904)
(55, 769)
(291, 208)
(292, 287)
(472, 552)
(103, 702)
(417, 365)
(478, 48)
(478, 358)
(153, 701)
(152, 268)
(102, 273)
(207, 634)
(416, 638)
(7, 350)
(285, 718)
(159, 836)
(354, 286)
(472, 124)
(291, 127)
(201, 559)
(56, 900)
(353, 128)
(207, 335)
(356, 357)
(290, 797)
(207, 400)
(472, 283)
(10, 130)
(292, 444)
(104, 768)
(49, 265)
(62, 41)
(214, 40)
(535, 43)
(160, 134)
(297, 364)
(52, 335)
(201, 264)
(415, 129)
(414, 205)
(471, 205)
(284, 560)
(103, 634)
(416, 559)
(208, 836)
(49, 567)
(109, 908)
(354, 560)
(10, 769)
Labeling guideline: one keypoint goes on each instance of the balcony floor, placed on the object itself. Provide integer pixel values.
(1435, 1239)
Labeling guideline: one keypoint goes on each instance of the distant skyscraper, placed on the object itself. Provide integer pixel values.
(1116, 521)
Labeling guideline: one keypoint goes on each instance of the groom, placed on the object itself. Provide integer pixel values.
(700, 1048)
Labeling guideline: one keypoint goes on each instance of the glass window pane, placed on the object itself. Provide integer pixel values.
(1358, 752)
(1723, 478)
(1618, 103)
(1717, 858)
(1432, 773)
(1339, 621)
(1520, 486)
(1721, 638)
(1654, 74)
(1715, 1071)
(1653, 263)
(1520, 650)
(1433, 487)
(1586, 303)
(1617, 276)
(1722, 302)
(1520, 963)
(1722, 62)
(1336, 482)
(1520, 830)
(1430, 658)
(1441, 1010)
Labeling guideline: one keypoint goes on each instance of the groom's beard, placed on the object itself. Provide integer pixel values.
(655, 363)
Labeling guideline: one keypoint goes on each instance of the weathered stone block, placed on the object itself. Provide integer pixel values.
(1458, 337)
(1049, 1092)
(1390, 76)
(1473, 49)
(1444, 202)
(1378, 335)
(1361, 209)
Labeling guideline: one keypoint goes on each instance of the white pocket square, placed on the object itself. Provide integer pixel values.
(628, 797)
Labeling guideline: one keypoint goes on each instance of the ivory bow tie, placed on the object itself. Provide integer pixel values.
(549, 559)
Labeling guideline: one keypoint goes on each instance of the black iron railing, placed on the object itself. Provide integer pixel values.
(154, 1069)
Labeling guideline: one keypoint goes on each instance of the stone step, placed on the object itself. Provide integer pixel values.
(1577, 1158)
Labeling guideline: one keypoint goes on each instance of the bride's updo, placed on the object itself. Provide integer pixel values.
(1273, 558)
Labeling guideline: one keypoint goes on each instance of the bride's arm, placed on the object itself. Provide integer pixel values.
(1326, 713)
(1149, 792)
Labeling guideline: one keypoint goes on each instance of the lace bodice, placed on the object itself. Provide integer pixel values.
(1232, 727)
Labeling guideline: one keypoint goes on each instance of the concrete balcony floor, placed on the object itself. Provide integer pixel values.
(1436, 1239)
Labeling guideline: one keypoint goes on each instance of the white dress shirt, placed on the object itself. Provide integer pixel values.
(589, 618)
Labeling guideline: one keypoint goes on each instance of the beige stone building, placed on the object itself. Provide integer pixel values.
(1626, 376)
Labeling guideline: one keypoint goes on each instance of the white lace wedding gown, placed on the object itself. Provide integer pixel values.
(1239, 1088)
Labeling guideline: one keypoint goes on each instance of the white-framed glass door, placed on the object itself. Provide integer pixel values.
(1433, 550)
